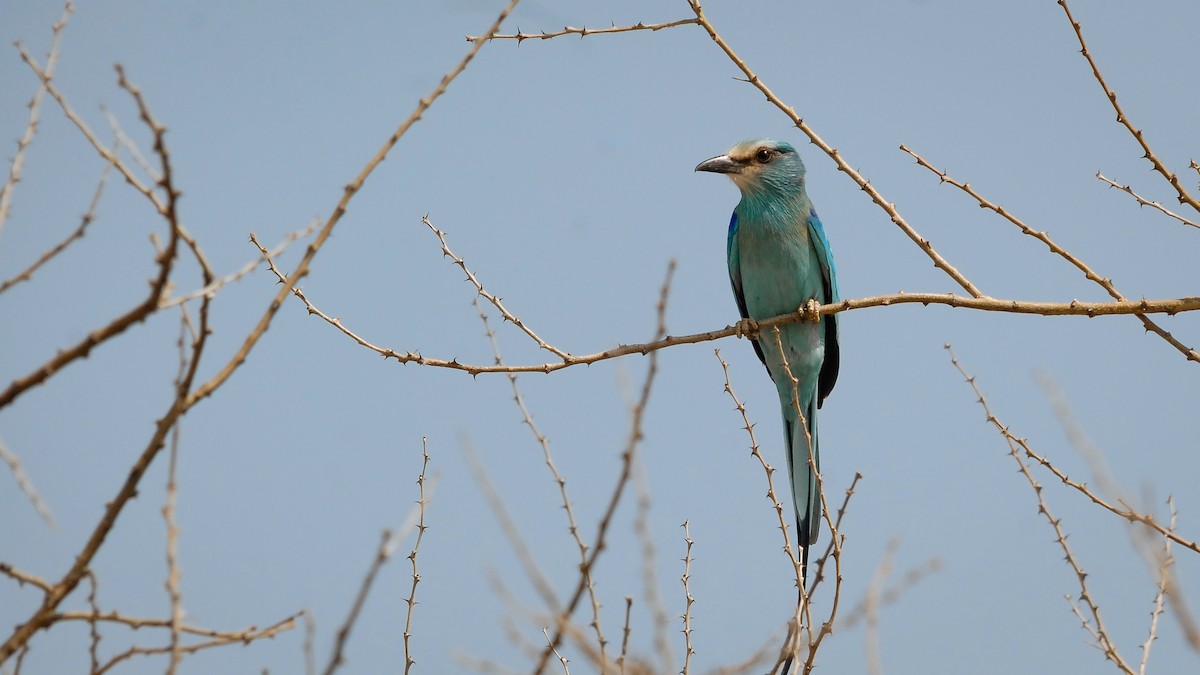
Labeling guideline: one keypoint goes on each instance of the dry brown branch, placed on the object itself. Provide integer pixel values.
(248, 636)
(1184, 196)
(43, 616)
(158, 287)
(26, 486)
(837, 523)
(584, 32)
(302, 268)
(888, 207)
(1072, 308)
(768, 470)
(412, 558)
(1142, 201)
(625, 632)
(24, 577)
(508, 316)
(561, 659)
(1041, 236)
(388, 542)
(210, 289)
(1093, 623)
(627, 462)
(688, 599)
(88, 217)
(174, 594)
(160, 204)
(1163, 573)
(93, 625)
(31, 126)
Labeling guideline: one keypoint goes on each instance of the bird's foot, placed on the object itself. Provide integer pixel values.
(810, 312)
(746, 328)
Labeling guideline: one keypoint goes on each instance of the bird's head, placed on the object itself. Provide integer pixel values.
(760, 167)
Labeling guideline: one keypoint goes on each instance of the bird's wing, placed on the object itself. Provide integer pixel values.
(735, 278)
(829, 369)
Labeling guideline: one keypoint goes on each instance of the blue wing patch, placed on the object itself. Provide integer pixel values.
(829, 370)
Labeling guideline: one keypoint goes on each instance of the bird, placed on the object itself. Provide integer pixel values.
(780, 262)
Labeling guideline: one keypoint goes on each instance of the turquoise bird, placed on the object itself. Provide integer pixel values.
(779, 262)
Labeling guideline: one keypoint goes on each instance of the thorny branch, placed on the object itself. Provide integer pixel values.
(1041, 236)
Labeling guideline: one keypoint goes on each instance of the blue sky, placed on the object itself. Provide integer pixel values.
(561, 171)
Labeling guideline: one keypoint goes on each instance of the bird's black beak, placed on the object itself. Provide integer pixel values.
(720, 164)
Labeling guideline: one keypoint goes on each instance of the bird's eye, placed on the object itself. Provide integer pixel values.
(763, 155)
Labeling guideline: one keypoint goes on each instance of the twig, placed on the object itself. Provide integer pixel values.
(837, 524)
(211, 288)
(25, 577)
(245, 638)
(561, 658)
(1160, 590)
(388, 543)
(172, 584)
(412, 557)
(626, 630)
(768, 470)
(627, 457)
(1095, 624)
(508, 316)
(26, 485)
(1142, 201)
(158, 286)
(687, 594)
(93, 624)
(43, 616)
(1041, 236)
(888, 207)
(88, 217)
(35, 108)
(1184, 196)
(584, 32)
(1072, 308)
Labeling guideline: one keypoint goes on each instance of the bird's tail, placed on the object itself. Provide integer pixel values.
(805, 494)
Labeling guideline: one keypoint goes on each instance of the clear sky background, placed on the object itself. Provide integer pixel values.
(562, 172)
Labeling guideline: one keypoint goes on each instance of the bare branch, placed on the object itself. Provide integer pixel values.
(1072, 308)
(1142, 201)
(1184, 196)
(43, 616)
(25, 577)
(584, 32)
(35, 108)
(26, 485)
(508, 316)
(88, 217)
(412, 558)
(627, 461)
(687, 594)
(1041, 236)
(888, 207)
(1093, 623)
